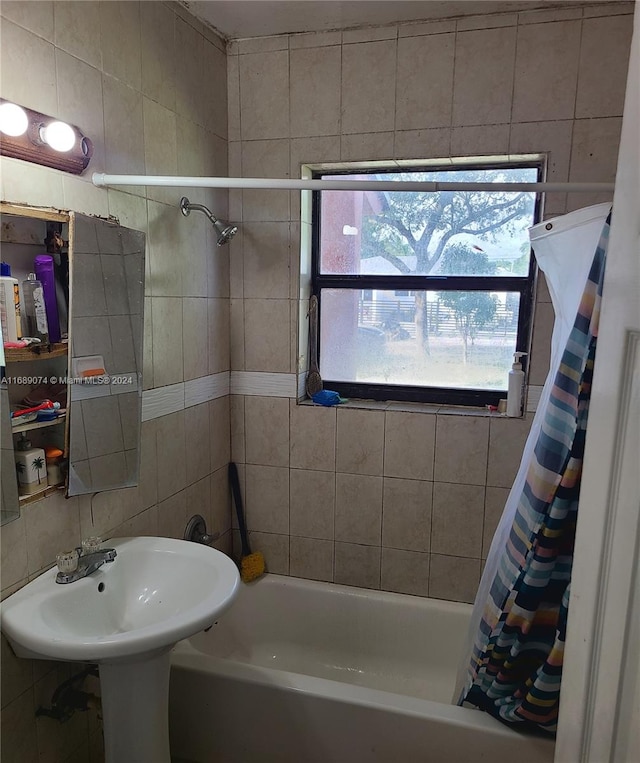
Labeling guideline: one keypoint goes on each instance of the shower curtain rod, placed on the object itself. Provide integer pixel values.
(102, 179)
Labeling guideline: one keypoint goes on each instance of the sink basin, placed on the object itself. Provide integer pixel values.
(126, 616)
(156, 592)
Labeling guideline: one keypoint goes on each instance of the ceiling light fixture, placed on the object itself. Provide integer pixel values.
(34, 137)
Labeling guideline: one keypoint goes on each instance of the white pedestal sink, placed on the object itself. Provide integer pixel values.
(126, 617)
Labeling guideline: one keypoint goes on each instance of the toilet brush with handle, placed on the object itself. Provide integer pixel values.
(251, 565)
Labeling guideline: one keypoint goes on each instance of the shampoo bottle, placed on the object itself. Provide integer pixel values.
(516, 385)
(9, 305)
(35, 312)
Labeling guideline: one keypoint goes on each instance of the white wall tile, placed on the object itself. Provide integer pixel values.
(358, 516)
(267, 335)
(480, 140)
(546, 71)
(360, 441)
(168, 364)
(189, 73)
(314, 39)
(424, 81)
(422, 144)
(406, 514)
(123, 128)
(267, 431)
(274, 548)
(77, 29)
(461, 449)
(195, 325)
(453, 578)
(311, 558)
(482, 94)
(594, 156)
(219, 358)
(120, 41)
(369, 34)
(266, 260)
(409, 445)
(262, 44)
(490, 21)
(312, 437)
(315, 91)
(80, 102)
(214, 66)
(357, 565)
(362, 146)
(265, 158)
(264, 95)
(542, 16)
(604, 62)
(312, 496)
(158, 54)
(368, 86)
(267, 499)
(426, 28)
(405, 572)
(27, 58)
(36, 17)
(457, 520)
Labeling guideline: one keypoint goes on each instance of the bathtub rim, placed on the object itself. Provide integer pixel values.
(357, 592)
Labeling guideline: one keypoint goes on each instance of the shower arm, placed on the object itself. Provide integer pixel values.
(102, 179)
(189, 206)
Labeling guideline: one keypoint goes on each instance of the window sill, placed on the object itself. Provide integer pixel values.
(441, 410)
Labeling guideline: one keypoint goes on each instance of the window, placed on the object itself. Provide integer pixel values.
(424, 296)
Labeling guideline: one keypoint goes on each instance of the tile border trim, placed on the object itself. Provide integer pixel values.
(176, 397)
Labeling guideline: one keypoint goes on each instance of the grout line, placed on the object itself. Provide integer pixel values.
(513, 80)
(577, 86)
(453, 84)
(395, 94)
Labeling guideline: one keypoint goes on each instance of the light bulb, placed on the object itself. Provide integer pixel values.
(13, 119)
(59, 135)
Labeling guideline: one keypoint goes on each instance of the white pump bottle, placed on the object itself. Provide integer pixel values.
(516, 386)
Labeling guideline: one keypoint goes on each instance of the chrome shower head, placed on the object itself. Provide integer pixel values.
(226, 231)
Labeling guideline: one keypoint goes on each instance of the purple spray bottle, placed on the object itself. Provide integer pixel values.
(44, 273)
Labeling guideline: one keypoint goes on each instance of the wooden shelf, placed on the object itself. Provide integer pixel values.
(40, 424)
(36, 352)
(48, 490)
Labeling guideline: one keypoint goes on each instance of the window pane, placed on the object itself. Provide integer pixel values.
(455, 339)
(415, 233)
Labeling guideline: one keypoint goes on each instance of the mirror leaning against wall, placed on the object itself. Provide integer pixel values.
(84, 375)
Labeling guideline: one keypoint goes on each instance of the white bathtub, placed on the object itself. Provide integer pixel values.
(304, 671)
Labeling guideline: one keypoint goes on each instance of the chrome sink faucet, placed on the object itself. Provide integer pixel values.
(83, 560)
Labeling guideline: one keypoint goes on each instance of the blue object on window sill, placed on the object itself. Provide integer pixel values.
(328, 397)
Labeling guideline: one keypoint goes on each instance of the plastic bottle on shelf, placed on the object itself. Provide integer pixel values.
(43, 265)
(54, 456)
(9, 305)
(35, 313)
(31, 466)
(516, 385)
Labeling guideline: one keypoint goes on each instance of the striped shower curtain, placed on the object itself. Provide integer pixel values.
(515, 667)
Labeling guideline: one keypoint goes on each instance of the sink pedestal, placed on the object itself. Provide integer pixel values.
(135, 709)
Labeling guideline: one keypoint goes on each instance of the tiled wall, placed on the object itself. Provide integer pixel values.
(147, 83)
(391, 498)
(394, 496)
(385, 497)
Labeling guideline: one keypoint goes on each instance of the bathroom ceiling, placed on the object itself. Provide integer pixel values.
(255, 18)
